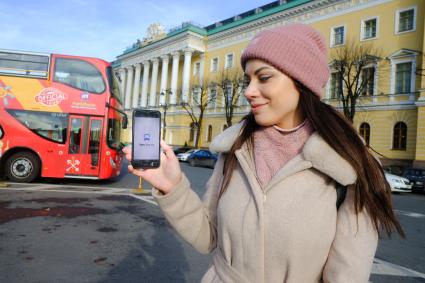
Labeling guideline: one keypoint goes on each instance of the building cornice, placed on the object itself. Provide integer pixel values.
(166, 46)
(309, 12)
(383, 107)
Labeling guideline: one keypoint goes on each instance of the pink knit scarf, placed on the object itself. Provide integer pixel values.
(274, 147)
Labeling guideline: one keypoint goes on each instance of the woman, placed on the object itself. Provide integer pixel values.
(269, 213)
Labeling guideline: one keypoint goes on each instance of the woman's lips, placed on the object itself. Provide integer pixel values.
(256, 107)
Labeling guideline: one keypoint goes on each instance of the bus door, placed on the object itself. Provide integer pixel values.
(84, 146)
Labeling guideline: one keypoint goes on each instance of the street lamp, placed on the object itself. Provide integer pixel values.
(164, 106)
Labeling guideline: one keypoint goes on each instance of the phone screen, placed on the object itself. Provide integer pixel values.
(146, 139)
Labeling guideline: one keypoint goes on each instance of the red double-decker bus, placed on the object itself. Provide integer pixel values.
(60, 116)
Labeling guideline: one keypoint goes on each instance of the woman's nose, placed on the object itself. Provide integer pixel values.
(251, 91)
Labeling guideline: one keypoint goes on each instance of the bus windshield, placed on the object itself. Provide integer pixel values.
(79, 74)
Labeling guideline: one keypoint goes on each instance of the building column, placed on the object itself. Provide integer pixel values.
(123, 80)
(154, 80)
(175, 77)
(128, 88)
(146, 66)
(186, 74)
(164, 78)
(136, 86)
(201, 68)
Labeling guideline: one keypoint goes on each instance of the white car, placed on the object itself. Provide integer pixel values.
(398, 184)
(184, 156)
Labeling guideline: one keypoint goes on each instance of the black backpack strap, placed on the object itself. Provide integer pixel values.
(341, 191)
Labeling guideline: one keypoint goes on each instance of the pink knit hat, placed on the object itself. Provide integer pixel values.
(297, 50)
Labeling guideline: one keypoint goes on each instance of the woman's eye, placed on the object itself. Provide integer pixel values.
(264, 78)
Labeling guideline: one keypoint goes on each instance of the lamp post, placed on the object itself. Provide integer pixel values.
(164, 106)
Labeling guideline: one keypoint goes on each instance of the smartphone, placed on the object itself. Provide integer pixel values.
(146, 137)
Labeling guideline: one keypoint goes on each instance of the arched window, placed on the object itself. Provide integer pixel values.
(192, 132)
(209, 135)
(400, 136)
(365, 132)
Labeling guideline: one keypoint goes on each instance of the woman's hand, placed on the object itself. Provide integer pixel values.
(163, 178)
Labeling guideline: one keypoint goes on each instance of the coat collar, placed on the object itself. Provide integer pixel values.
(316, 150)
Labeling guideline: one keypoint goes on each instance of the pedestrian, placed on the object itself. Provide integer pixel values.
(269, 213)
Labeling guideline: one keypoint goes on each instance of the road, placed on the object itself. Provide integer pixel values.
(97, 231)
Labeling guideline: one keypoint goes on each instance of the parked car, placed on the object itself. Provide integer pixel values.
(398, 184)
(417, 177)
(183, 156)
(182, 149)
(202, 157)
(395, 169)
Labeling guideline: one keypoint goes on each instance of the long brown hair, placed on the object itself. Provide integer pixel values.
(372, 191)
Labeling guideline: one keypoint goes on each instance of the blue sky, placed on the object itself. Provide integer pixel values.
(101, 28)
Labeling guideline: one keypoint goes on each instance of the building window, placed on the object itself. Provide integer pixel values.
(364, 131)
(406, 20)
(369, 28)
(403, 77)
(337, 36)
(196, 68)
(212, 96)
(209, 134)
(228, 95)
(400, 136)
(229, 61)
(368, 80)
(196, 96)
(335, 85)
(242, 100)
(214, 64)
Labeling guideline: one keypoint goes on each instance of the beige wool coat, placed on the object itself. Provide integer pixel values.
(289, 231)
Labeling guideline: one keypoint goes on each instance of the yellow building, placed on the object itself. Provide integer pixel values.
(165, 69)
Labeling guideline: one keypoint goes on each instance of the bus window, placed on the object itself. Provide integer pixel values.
(49, 125)
(28, 65)
(114, 133)
(94, 141)
(75, 136)
(79, 74)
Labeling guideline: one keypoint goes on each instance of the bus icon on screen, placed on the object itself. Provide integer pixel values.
(146, 137)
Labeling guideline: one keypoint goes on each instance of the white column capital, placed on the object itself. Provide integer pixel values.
(176, 54)
(138, 66)
(154, 60)
(129, 68)
(165, 57)
(146, 63)
(188, 51)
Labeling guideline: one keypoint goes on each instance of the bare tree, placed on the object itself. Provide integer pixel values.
(230, 82)
(349, 63)
(200, 100)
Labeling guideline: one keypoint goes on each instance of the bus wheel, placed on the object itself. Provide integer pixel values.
(22, 167)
